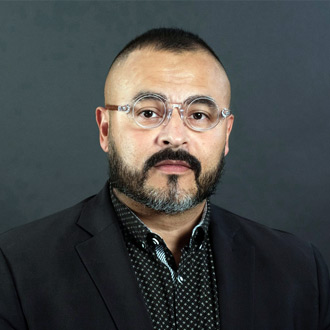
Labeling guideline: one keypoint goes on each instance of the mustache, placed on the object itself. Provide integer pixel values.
(169, 154)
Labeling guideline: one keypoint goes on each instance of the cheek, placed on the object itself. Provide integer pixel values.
(210, 150)
(132, 144)
(127, 149)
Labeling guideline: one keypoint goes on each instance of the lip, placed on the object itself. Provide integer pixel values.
(173, 166)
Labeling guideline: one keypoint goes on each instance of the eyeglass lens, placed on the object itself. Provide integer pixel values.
(200, 114)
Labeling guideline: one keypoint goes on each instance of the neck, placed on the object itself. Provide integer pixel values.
(175, 229)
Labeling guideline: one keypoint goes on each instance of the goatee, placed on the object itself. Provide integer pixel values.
(170, 199)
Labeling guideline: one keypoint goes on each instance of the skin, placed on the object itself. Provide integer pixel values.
(178, 76)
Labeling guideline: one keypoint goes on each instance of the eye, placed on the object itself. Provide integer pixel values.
(199, 116)
(148, 114)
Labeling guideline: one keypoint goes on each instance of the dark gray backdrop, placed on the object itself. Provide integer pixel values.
(54, 58)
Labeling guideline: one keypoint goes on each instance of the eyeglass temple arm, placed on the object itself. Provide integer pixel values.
(124, 108)
(226, 112)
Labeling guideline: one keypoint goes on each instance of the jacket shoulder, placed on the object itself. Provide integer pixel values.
(261, 236)
(42, 231)
(280, 259)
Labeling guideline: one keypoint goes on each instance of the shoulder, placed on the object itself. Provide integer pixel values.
(233, 223)
(280, 259)
(269, 243)
(44, 232)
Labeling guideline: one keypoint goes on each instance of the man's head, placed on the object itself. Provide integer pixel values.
(169, 168)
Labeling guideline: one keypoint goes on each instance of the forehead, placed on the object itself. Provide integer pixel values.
(177, 75)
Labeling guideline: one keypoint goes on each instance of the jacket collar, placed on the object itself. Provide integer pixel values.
(107, 262)
(234, 259)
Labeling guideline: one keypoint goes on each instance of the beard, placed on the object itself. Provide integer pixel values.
(170, 199)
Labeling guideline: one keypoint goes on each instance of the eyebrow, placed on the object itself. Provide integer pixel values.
(194, 97)
(146, 93)
(164, 97)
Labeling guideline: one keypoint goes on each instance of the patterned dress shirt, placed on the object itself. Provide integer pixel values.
(183, 297)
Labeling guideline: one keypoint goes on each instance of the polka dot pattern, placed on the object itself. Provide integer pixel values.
(183, 297)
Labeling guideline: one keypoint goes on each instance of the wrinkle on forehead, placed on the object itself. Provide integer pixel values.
(162, 69)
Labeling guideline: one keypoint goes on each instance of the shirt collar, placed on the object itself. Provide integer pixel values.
(135, 230)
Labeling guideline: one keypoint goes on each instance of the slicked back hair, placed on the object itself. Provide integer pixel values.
(167, 39)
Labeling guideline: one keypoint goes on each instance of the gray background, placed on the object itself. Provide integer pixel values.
(54, 58)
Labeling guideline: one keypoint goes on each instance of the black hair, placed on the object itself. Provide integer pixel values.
(169, 39)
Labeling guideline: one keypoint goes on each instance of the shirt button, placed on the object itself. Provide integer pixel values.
(180, 279)
(155, 241)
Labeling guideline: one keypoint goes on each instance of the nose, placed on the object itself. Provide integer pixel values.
(174, 133)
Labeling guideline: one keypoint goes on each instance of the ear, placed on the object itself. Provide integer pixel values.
(229, 125)
(102, 119)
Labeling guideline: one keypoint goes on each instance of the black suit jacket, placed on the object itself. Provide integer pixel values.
(71, 271)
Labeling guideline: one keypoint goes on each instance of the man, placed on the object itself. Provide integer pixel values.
(149, 251)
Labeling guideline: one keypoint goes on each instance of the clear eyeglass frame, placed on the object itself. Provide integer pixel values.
(168, 110)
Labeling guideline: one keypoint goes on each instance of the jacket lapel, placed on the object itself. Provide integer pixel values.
(234, 263)
(107, 262)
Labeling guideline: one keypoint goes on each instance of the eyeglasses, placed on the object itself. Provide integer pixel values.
(152, 110)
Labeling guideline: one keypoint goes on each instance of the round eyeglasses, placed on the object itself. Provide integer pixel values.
(151, 110)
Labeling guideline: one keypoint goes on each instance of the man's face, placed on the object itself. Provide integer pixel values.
(170, 168)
